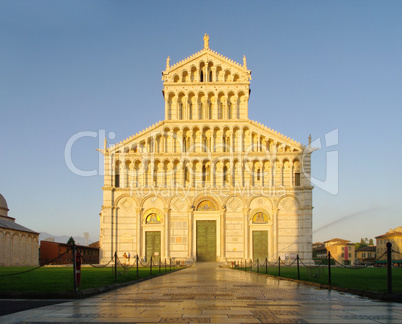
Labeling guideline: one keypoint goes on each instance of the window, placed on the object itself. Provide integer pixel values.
(350, 255)
(117, 180)
(225, 174)
(343, 255)
(297, 179)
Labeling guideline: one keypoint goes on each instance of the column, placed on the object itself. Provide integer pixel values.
(167, 236)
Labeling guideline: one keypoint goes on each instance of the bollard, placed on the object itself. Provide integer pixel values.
(389, 267)
(165, 264)
(298, 269)
(258, 266)
(159, 265)
(137, 265)
(115, 266)
(74, 267)
(266, 265)
(150, 267)
(170, 264)
(329, 267)
(279, 267)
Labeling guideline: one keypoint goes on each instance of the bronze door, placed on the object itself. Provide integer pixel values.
(152, 245)
(206, 240)
(260, 245)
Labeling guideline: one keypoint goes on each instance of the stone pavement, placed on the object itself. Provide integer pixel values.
(209, 294)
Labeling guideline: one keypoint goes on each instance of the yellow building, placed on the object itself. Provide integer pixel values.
(366, 255)
(395, 237)
(207, 183)
(19, 245)
(341, 250)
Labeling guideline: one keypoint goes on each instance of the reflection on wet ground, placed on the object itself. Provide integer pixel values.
(206, 293)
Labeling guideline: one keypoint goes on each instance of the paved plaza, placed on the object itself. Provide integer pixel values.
(206, 293)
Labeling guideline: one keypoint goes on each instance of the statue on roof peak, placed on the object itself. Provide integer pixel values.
(167, 62)
(206, 41)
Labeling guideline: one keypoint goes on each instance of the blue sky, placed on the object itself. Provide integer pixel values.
(73, 66)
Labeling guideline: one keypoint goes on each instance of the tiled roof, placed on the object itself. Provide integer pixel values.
(14, 226)
(336, 240)
(389, 235)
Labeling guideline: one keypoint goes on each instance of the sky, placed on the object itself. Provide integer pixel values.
(332, 69)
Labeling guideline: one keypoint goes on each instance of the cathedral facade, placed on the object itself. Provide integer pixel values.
(207, 183)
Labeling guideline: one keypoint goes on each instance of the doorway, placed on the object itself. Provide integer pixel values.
(260, 245)
(152, 245)
(206, 240)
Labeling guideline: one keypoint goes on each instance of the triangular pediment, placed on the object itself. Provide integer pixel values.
(167, 128)
(207, 56)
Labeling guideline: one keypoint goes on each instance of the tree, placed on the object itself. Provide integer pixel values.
(71, 241)
(371, 242)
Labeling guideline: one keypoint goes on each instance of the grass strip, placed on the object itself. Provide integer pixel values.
(366, 279)
(61, 279)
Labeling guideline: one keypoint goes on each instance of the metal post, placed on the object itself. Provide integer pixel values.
(165, 264)
(74, 267)
(389, 267)
(150, 267)
(329, 267)
(137, 265)
(170, 264)
(159, 265)
(258, 266)
(298, 269)
(279, 267)
(266, 265)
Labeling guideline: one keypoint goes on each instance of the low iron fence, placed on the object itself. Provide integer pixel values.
(316, 270)
(118, 267)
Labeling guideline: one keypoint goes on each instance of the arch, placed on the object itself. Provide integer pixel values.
(260, 216)
(153, 216)
(206, 203)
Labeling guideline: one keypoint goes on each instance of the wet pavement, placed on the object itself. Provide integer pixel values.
(206, 293)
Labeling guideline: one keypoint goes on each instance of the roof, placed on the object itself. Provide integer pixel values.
(3, 202)
(389, 235)
(337, 240)
(8, 224)
(69, 245)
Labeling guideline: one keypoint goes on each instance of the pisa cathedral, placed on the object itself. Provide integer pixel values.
(207, 183)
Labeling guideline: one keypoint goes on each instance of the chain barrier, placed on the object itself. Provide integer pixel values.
(359, 267)
(125, 266)
(314, 266)
(36, 268)
(397, 252)
(146, 265)
(95, 265)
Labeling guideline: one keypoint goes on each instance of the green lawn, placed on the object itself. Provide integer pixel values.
(366, 279)
(48, 279)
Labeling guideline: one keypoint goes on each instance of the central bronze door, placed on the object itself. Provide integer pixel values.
(152, 245)
(206, 240)
(260, 245)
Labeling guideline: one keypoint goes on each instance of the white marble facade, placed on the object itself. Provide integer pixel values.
(207, 161)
